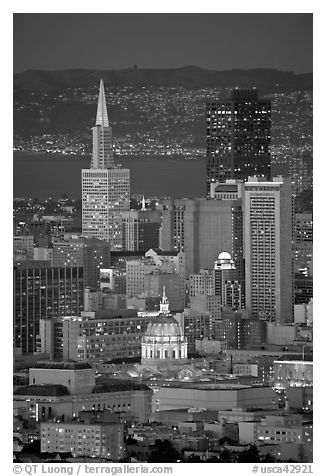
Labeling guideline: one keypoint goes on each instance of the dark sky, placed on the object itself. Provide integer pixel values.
(210, 40)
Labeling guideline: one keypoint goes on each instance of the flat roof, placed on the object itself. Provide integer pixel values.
(62, 365)
(46, 390)
(110, 386)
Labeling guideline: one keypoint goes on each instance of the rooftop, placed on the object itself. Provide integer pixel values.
(161, 252)
(110, 386)
(66, 365)
(48, 390)
(121, 254)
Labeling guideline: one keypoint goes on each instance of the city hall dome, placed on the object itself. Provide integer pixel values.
(164, 342)
(164, 327)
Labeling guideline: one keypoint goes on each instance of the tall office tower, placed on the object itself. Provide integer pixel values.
(303, 243)
(226, 282)
(42, 291)
(102, 157)
(90, 253)
(140, 230)
(105, 187)
(303, 288)
(239, 331)
(268, 242)
(195, 325)
(201, 283)
(171, 262)
(303, 259)
(207, 303)
(136, 270)
(158, 268)
(238, 137)
(203, 228)
(301, 171)
(156, 281)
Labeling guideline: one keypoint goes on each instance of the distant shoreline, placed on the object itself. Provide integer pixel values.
(55, 155)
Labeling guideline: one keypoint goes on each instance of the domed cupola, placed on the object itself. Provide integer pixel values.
(164, 341)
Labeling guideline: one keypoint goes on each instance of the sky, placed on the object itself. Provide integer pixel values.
(218, 41)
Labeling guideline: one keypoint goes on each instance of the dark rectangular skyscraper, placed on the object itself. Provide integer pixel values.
(42, 291)
(238, 137)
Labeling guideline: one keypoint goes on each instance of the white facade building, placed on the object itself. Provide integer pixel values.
(268, 240)
(105, 188)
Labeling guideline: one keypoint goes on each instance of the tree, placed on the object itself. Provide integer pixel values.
(268, 458)
(225, 456)
(194, 459)
(34, 447)
(164, 452)
(213, 459)
(227, 440)
(250, 455)
(131, 441)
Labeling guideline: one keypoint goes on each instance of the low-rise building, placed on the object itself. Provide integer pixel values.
(207, 346)
(284, 429)
(94, 336)
(62, 390)
(300, 398)
(293, 373)
(100, 439)
(248, 431)
(213, 396)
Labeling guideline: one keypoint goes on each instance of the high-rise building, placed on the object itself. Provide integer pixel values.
(43, 292)
(147, 276)
(201, 283)
(303, 288)
(207, 303)
(156, 281)
(105, 187)
(238, 331)
(195, 325)
(203, 228)
(226, 282)
(301, 171)
(303, 256)
(140, 230)
(102, 157)
(90, 253)
(268, 243)
(136, 270)
(238, 137)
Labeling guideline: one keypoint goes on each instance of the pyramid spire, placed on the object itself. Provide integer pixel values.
(143, 204)
(102, 113)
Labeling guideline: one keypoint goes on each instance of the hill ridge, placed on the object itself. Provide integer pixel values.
(191, 77)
